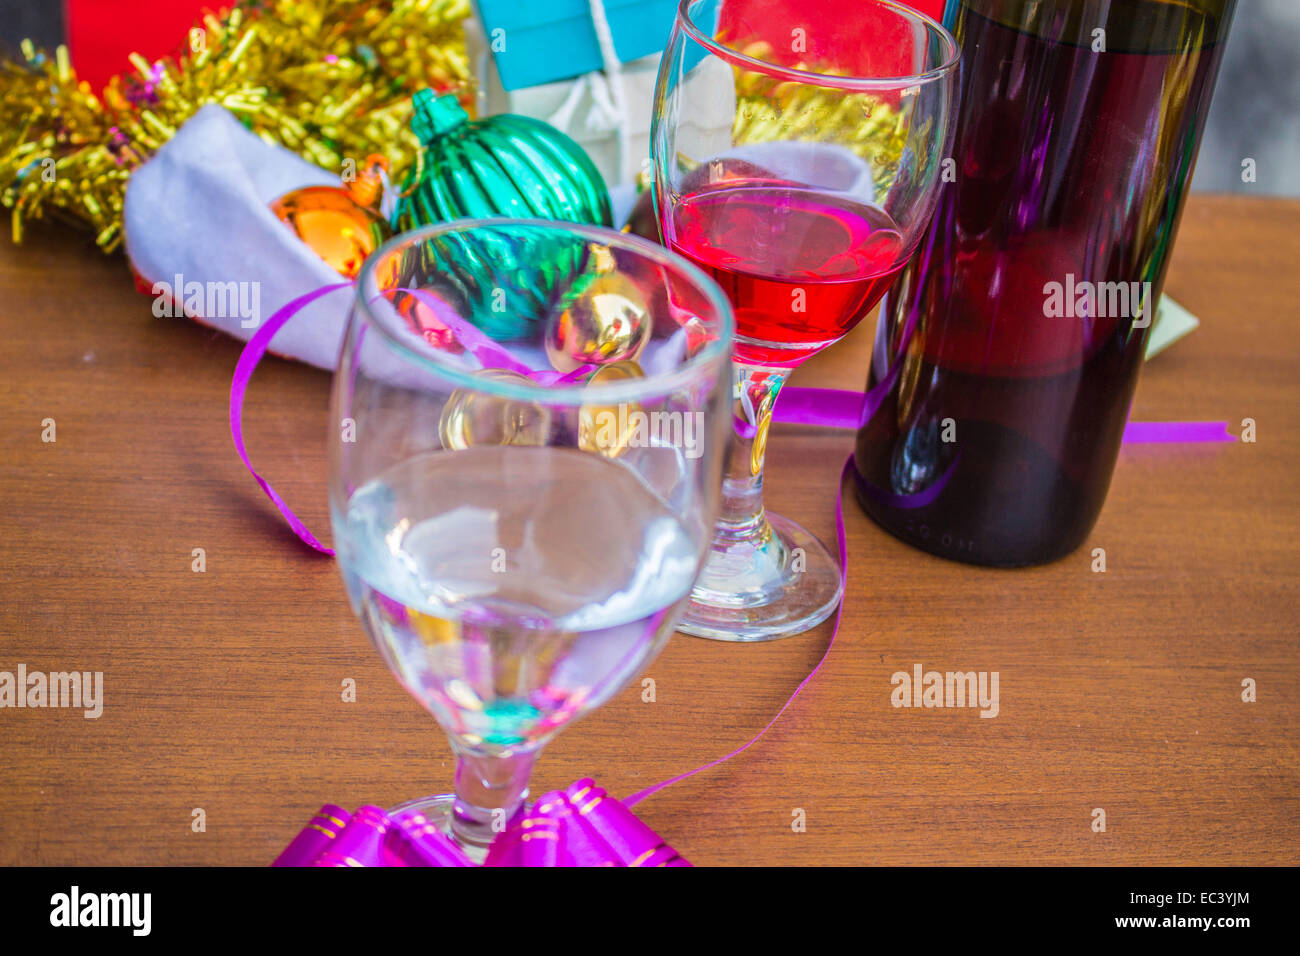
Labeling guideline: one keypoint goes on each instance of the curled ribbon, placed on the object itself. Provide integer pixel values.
(582, 825)
(825, 407)
(489, 354)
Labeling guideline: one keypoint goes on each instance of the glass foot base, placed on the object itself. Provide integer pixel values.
(777, 584)
(438, 810)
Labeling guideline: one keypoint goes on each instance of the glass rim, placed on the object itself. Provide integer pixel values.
(576, 393)
(849, 83)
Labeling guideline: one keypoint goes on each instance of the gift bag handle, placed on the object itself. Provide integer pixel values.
(607, 91)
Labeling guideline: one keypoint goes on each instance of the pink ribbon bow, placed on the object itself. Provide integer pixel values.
(580, 826)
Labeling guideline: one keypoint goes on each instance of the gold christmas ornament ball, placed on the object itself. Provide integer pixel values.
(602, 319)
(607, 429)
(475, 418)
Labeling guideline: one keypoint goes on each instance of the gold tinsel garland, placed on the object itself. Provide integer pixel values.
(329, 79)
(771, 109)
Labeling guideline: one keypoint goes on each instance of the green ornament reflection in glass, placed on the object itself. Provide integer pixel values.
(500, 166)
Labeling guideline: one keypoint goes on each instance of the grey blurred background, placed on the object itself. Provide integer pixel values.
(1256, 111)
(42, 20)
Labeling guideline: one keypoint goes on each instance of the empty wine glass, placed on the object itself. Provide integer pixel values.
(519, 522)
(798, 150)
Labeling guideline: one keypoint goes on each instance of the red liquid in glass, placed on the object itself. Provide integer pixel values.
(800, 267)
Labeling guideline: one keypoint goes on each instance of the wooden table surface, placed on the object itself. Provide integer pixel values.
(222, 689)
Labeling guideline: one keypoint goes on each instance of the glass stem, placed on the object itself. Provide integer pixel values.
(741, 514)
(489, 791)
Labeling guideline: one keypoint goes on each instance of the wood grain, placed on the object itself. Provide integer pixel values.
(222, 689)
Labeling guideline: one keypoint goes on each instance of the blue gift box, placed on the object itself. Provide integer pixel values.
(544, 41)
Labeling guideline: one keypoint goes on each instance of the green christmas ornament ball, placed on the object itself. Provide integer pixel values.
(500, 166)
(503, 165)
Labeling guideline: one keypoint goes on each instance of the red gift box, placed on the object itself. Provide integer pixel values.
(860, 39)
(102, 33)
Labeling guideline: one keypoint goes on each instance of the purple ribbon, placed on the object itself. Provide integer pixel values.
(835, 408)
(835, 630)
(825, 407)
(1153, 432)
(244, 368)
(583, 825)
(486, 350)
(828, 407)
(488, 353)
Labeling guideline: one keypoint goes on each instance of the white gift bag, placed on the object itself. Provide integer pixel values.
(607, 112)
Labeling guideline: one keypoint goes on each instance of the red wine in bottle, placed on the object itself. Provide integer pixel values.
(801, 267)
(1007, 353)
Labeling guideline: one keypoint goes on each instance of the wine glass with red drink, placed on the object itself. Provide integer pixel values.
(798, 149)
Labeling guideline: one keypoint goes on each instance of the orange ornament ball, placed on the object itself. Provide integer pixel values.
(342, 224)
